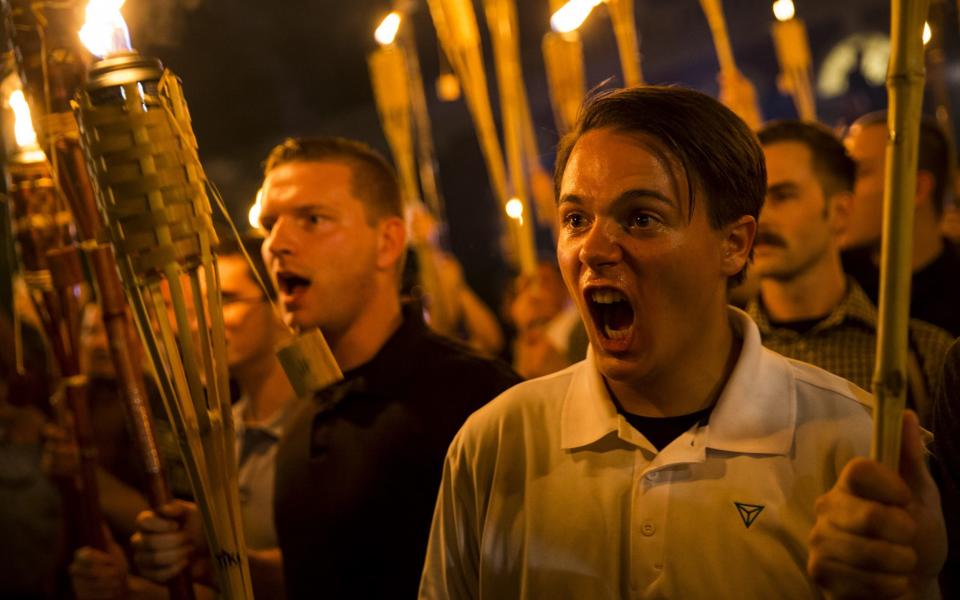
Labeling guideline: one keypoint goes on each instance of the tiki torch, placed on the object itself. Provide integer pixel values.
(570, 15)
(502, 23)
(905, 81)
(392, 90)
(563, 59)
(740, 97)
(793, 52)
(151, 190)
(53, 272)
(53, 65)
(456, 25)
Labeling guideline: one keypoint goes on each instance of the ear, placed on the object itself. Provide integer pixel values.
(926, 185)
(838, 212)
(391, 242)
(737, 243)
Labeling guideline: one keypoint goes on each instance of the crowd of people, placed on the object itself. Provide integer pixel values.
(647, 438)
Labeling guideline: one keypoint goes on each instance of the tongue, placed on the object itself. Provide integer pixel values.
(619, 315)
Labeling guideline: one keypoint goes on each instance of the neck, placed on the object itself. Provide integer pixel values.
(808, 295)
(265, 385)
(369, 331)
(927, 241)
(690, 383)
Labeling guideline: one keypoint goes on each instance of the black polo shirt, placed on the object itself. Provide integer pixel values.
(359, 468)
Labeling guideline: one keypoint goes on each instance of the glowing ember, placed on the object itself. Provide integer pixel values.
(783, 10)
(387, 30)
(572, 14)
(105, 32)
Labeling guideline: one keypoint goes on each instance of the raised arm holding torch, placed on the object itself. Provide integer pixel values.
(736, 91)
(793, 52)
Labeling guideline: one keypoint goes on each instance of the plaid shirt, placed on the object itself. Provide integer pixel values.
(845, 342)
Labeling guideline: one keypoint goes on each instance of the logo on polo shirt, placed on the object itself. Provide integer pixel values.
(748, 512)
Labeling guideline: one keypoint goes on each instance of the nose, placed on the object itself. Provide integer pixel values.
(601, 245)
(280, 240)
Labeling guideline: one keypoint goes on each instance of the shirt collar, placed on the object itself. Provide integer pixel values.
(756, 412)
(273, 426)
(855, 306)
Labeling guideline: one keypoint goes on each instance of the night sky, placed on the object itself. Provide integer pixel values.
(255, 72)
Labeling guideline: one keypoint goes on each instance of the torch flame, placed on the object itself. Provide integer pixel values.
(22, 125)
(253, 215)
(105, 32)
(927, 33)
(514, 209)
(783, 10)
(571, 15)
(387, 30)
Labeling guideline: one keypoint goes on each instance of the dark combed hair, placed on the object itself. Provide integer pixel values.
(721, 158)
(373, 179)
(253, 244)
(835, 169)
(935, 155)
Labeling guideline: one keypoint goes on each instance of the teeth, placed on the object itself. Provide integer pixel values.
(615, 334)
(608, 296)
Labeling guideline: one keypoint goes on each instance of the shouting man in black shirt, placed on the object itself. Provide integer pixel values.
(359, 466)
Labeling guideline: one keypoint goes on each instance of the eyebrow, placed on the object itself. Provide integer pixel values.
(634, 194)
(783, 186)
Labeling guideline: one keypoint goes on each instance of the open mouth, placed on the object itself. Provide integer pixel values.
(611, 312)
(291, 284)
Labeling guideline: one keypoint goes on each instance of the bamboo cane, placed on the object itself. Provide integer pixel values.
(389, 75)
(456, 26)
(905, 79)
(625, 32)
(563, 59)
(502, 23)
(713, 9)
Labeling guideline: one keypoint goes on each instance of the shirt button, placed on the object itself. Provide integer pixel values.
(653, 475)
(648, 528)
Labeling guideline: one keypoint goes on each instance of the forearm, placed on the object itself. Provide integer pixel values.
(482, 327)
(266, 572)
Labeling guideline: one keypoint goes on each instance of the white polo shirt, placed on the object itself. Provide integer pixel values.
(548, 492)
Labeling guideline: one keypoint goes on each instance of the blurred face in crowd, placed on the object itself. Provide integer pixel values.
(324, 251)
(648, 273)
(250, 326)
(798, 223)
(867, 146)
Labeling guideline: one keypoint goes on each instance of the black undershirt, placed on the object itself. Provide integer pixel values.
(800, 326)
(663, 430)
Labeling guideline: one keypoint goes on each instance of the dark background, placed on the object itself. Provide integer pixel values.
(257, 71)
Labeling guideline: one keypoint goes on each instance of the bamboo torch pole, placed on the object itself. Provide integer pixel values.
(389, 75)
(905, 81)
(742, 102)
(456, 26)
(625, 31)
(502, 22)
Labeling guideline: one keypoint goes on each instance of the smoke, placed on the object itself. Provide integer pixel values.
(158, 22)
